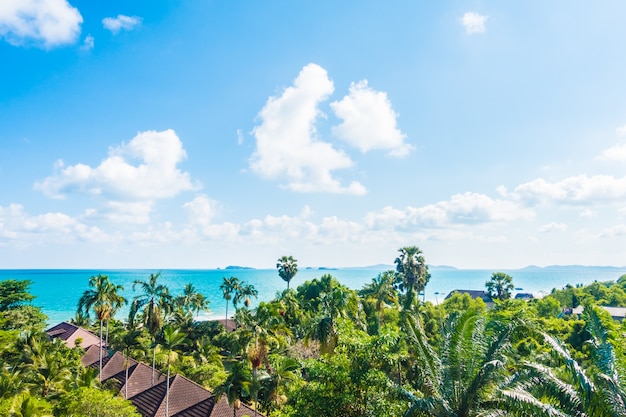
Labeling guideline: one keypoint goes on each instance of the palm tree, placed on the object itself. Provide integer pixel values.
(283, 373)
(237, 384)
(469, 376)
(244, 292)
(155, 301)
(104, 299)
(127, 343)
(287, 268)
(172, 338)
(192, 301)
(500, 286)
(412, 271)
(382, 291)
(229, 286)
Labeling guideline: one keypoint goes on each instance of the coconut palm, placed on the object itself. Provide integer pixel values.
(155, 303)
(129, 341)
(469, 376)
(244, 292)
(192, 301)
(412, 273)
(287, 268)
(500, 286)
(237, 384)
(104, 299)
(382, 291)
(172, 338)
(229, 287)
(283, 371)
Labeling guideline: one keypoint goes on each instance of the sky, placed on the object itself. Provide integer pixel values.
(201, 134)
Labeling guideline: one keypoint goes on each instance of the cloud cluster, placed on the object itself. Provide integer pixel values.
(369, 121)
(144, 169)
(46, 23)
(576, 190)
(474, 23)
(121, 22)
(288, 145)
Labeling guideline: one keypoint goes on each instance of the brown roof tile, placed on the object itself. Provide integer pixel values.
(69, 333)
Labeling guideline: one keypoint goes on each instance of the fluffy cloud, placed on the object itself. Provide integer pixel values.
(201, 210)
(286, 140)
(88, 43)
(369, 121)
(467, 208)
(46, 23)
(621, 131)
(155, 175)
(553, 227)
(21, 228)
(580, 189)
(615, 153)
(121, 22)
(474, 23)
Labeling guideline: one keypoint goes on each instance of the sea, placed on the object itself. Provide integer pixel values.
(57, 290)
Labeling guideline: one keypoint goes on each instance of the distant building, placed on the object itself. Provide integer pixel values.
(617, 313)
(483, 295)
(524, 296)
(186, 398)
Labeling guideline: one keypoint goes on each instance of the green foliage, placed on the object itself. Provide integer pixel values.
(548, 307)
(13, 293)
(463, 302)
(500, 286)
(24, 405)
(94, 402)
(287, 268)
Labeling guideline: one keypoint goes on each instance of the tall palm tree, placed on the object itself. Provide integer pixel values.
(127, 343)
(104, 299)
(192, 301)
(172, 338)
(412, 271)
(500, 286)
(287, 268)
(283, 372)
(229, 287)
(244, 292)
(237, 384)
(382, 291)
(155, 301)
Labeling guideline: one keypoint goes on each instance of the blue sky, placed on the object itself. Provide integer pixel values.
(200, 134)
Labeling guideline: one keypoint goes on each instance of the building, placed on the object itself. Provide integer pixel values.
(483, 295)
(134, 381)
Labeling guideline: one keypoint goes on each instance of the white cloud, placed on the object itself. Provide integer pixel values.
(286, 140)
(614, 231)
(155, 176)
(621, 131)
(46, 23)
(201, 210)
(614, 153)
(121, 22)
(586, 213)
(467, 208)
(88, 43)
(369, 121)
(580, 189)
(553, 227)
(474, 23)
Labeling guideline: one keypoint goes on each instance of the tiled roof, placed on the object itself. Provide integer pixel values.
(69, 333)
(186, 398)
(229, 324)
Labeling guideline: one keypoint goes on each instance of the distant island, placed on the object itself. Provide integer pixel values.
(238, 267)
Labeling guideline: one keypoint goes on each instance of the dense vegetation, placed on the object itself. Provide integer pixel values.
(323, 349)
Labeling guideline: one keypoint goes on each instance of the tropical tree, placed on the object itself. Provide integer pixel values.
(284, 371)
(500, 286)
(236, 386)
(104, 298)
(412, 273)
(192, 301)
(469, 376)
(154, 302)
(127, 343)
(382, 291)
(172, 338)
(287, 268)
(244, 292)
(229, 287)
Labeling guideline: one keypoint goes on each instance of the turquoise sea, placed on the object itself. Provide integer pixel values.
(58, 291)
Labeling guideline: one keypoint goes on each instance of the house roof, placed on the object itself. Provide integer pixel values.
(70, 333)
(186, 398)
(483, 295)
(617, 313)
(229, 324)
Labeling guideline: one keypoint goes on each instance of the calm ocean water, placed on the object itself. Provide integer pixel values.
(58, 291)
